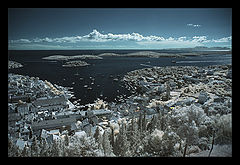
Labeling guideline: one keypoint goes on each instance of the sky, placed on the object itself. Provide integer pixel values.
(118, 28)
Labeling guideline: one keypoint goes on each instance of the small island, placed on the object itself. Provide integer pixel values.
(75, 63)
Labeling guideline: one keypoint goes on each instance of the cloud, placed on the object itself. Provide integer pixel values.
(194, 25)
(133, 39)
(224, 39)
(201, 39)
(20, 41)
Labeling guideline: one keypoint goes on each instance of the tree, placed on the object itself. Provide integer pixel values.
(122, 145)
(144, 121)
(153, 123)
(140, 122)
(66, 140)
(188, 132)
(44, 148)
(134, 138)
(107, 148)
(55, 150)
(13, 150)
(25, 152)
(112, 135)
(87, 146)
(35, 149)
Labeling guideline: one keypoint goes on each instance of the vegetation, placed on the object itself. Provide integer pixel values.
(168, 134)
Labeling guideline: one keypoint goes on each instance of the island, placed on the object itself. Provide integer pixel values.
(66, 58)
(155, 54)
(75, 63)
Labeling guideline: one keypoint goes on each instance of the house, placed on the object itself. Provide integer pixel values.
(54, 132)
(21, 144)
(44, 134)
(51, 138)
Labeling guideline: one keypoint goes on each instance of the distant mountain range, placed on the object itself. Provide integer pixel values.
(203, 48)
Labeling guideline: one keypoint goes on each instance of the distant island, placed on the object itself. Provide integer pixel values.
(151, 54)
(74, 62)
(62, 57)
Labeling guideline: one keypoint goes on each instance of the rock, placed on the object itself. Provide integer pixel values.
(203, 97)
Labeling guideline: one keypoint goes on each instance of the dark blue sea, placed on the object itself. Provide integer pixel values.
(97, 79)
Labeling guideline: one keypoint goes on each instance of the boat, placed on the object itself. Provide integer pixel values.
(116, 79)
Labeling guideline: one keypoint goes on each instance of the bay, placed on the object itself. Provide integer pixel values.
(101, 79)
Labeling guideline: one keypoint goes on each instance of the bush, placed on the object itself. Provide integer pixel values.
(224, 129)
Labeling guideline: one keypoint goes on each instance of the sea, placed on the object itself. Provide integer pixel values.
(102, 78)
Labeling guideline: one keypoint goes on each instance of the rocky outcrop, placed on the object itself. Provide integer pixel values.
(14, 64)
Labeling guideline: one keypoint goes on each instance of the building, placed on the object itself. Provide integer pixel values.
(102, 112)
(53, 124)
(50, 104)
(15, 99)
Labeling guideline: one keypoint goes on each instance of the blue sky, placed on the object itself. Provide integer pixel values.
(118, 28)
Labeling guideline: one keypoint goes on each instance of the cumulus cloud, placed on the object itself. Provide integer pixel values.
(194, 25)
(97, 37)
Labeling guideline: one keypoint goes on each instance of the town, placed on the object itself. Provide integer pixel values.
(36, 107)
(163, 98)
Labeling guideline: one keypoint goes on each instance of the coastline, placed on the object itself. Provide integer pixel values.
(143, 53)
(163, 93)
